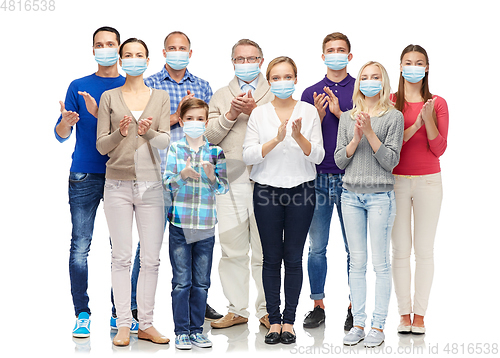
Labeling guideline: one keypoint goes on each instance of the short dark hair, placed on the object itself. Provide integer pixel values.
(176, 33)
(130, 40)
(109, 29)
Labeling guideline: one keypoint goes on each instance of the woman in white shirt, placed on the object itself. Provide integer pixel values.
(283, 143)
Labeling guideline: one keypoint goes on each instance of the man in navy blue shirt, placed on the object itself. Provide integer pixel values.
(88, 168)
(331, 96)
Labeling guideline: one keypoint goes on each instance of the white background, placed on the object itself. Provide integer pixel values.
(42, 52)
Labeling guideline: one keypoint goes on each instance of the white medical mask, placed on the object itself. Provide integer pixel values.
(194, 129)
(283, 89)
(336, 61)
(106, 56)
(413, 74)
(370, 88)
(178, 60)
(246, 71)
(134, 66)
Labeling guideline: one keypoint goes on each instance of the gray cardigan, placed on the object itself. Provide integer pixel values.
(366, 171)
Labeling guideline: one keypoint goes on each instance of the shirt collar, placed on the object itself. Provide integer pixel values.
(183, 143)
(253, 83)
(342, 83)
(165, 75)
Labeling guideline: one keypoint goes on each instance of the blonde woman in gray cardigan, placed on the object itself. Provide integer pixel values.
(133, 121)
(369, 140)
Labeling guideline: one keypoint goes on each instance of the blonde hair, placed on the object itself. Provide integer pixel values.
(358, 98)
(281, 59)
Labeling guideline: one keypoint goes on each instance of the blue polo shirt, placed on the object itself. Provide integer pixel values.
(86, 158)
(343, 91)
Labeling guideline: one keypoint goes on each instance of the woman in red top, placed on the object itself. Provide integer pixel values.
(418, 186)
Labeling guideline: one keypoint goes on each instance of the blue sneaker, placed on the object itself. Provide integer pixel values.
(133, 329)
(200, 340)
(182, 342)
(82, 326)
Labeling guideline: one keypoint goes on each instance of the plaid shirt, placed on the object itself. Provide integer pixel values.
(193, 203)
(177, 91)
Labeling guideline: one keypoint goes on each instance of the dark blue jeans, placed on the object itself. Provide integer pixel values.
(283, 217)
(85, 192)
(191, 267)
(328, 195)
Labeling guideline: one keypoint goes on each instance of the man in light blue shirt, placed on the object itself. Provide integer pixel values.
(181, 85)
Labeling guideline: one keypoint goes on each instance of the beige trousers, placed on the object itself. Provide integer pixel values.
(238, 234)
(418, 198)
(121, 200)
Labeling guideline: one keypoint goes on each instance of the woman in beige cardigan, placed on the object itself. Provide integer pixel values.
(133, 121)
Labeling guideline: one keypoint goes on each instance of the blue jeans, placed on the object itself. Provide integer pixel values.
(283, 218)
(85, 191)
(376, 211)
(191, 267)
(328, 193)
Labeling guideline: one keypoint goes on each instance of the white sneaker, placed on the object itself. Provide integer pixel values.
(374, 338)
(354, 336)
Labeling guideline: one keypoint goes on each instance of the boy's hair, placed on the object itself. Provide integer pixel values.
(193, 103)
(336, 36)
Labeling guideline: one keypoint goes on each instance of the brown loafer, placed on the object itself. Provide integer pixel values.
(122, 338)
(155, 339)
(228, 320)
(264, 320)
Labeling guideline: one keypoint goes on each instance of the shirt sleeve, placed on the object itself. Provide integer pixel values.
(172, 179)
(439, 144)
(317, 150)
(106, 140)
(340, 155)
(388, 153)
(221, 184)
(218, 125)
(252, 147)
(161, 138)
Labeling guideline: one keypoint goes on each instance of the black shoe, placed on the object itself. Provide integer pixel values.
(314, 318)
(349, 321)
(288, 338)
(211, 314)
(272, 338)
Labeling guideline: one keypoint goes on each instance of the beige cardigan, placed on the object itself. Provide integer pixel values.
(229, 135)
(130, 157)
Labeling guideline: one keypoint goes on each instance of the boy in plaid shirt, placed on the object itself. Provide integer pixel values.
(194, 174)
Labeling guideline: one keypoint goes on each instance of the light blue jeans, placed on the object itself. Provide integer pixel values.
(376, 211)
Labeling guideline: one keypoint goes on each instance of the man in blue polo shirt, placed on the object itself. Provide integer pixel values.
(181, 85)
(86, 179)
(331, 96)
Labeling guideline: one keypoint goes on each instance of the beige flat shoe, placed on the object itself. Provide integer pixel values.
(122, 338)
(155, 339)
(229, 320)
(265, 321)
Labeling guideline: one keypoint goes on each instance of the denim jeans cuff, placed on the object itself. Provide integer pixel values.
(317, 296)
(378, 325)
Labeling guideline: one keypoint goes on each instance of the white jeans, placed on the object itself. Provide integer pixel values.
(238, 234)
(423, 195)
(121, 200)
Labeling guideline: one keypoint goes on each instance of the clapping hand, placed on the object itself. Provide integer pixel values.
(296, 127)
(144, 125)
(124, 123)
(189, 172)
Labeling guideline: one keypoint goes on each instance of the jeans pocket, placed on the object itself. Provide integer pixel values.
(77, 177)
(433, 179)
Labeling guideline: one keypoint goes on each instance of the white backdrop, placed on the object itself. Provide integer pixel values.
(42, 52)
